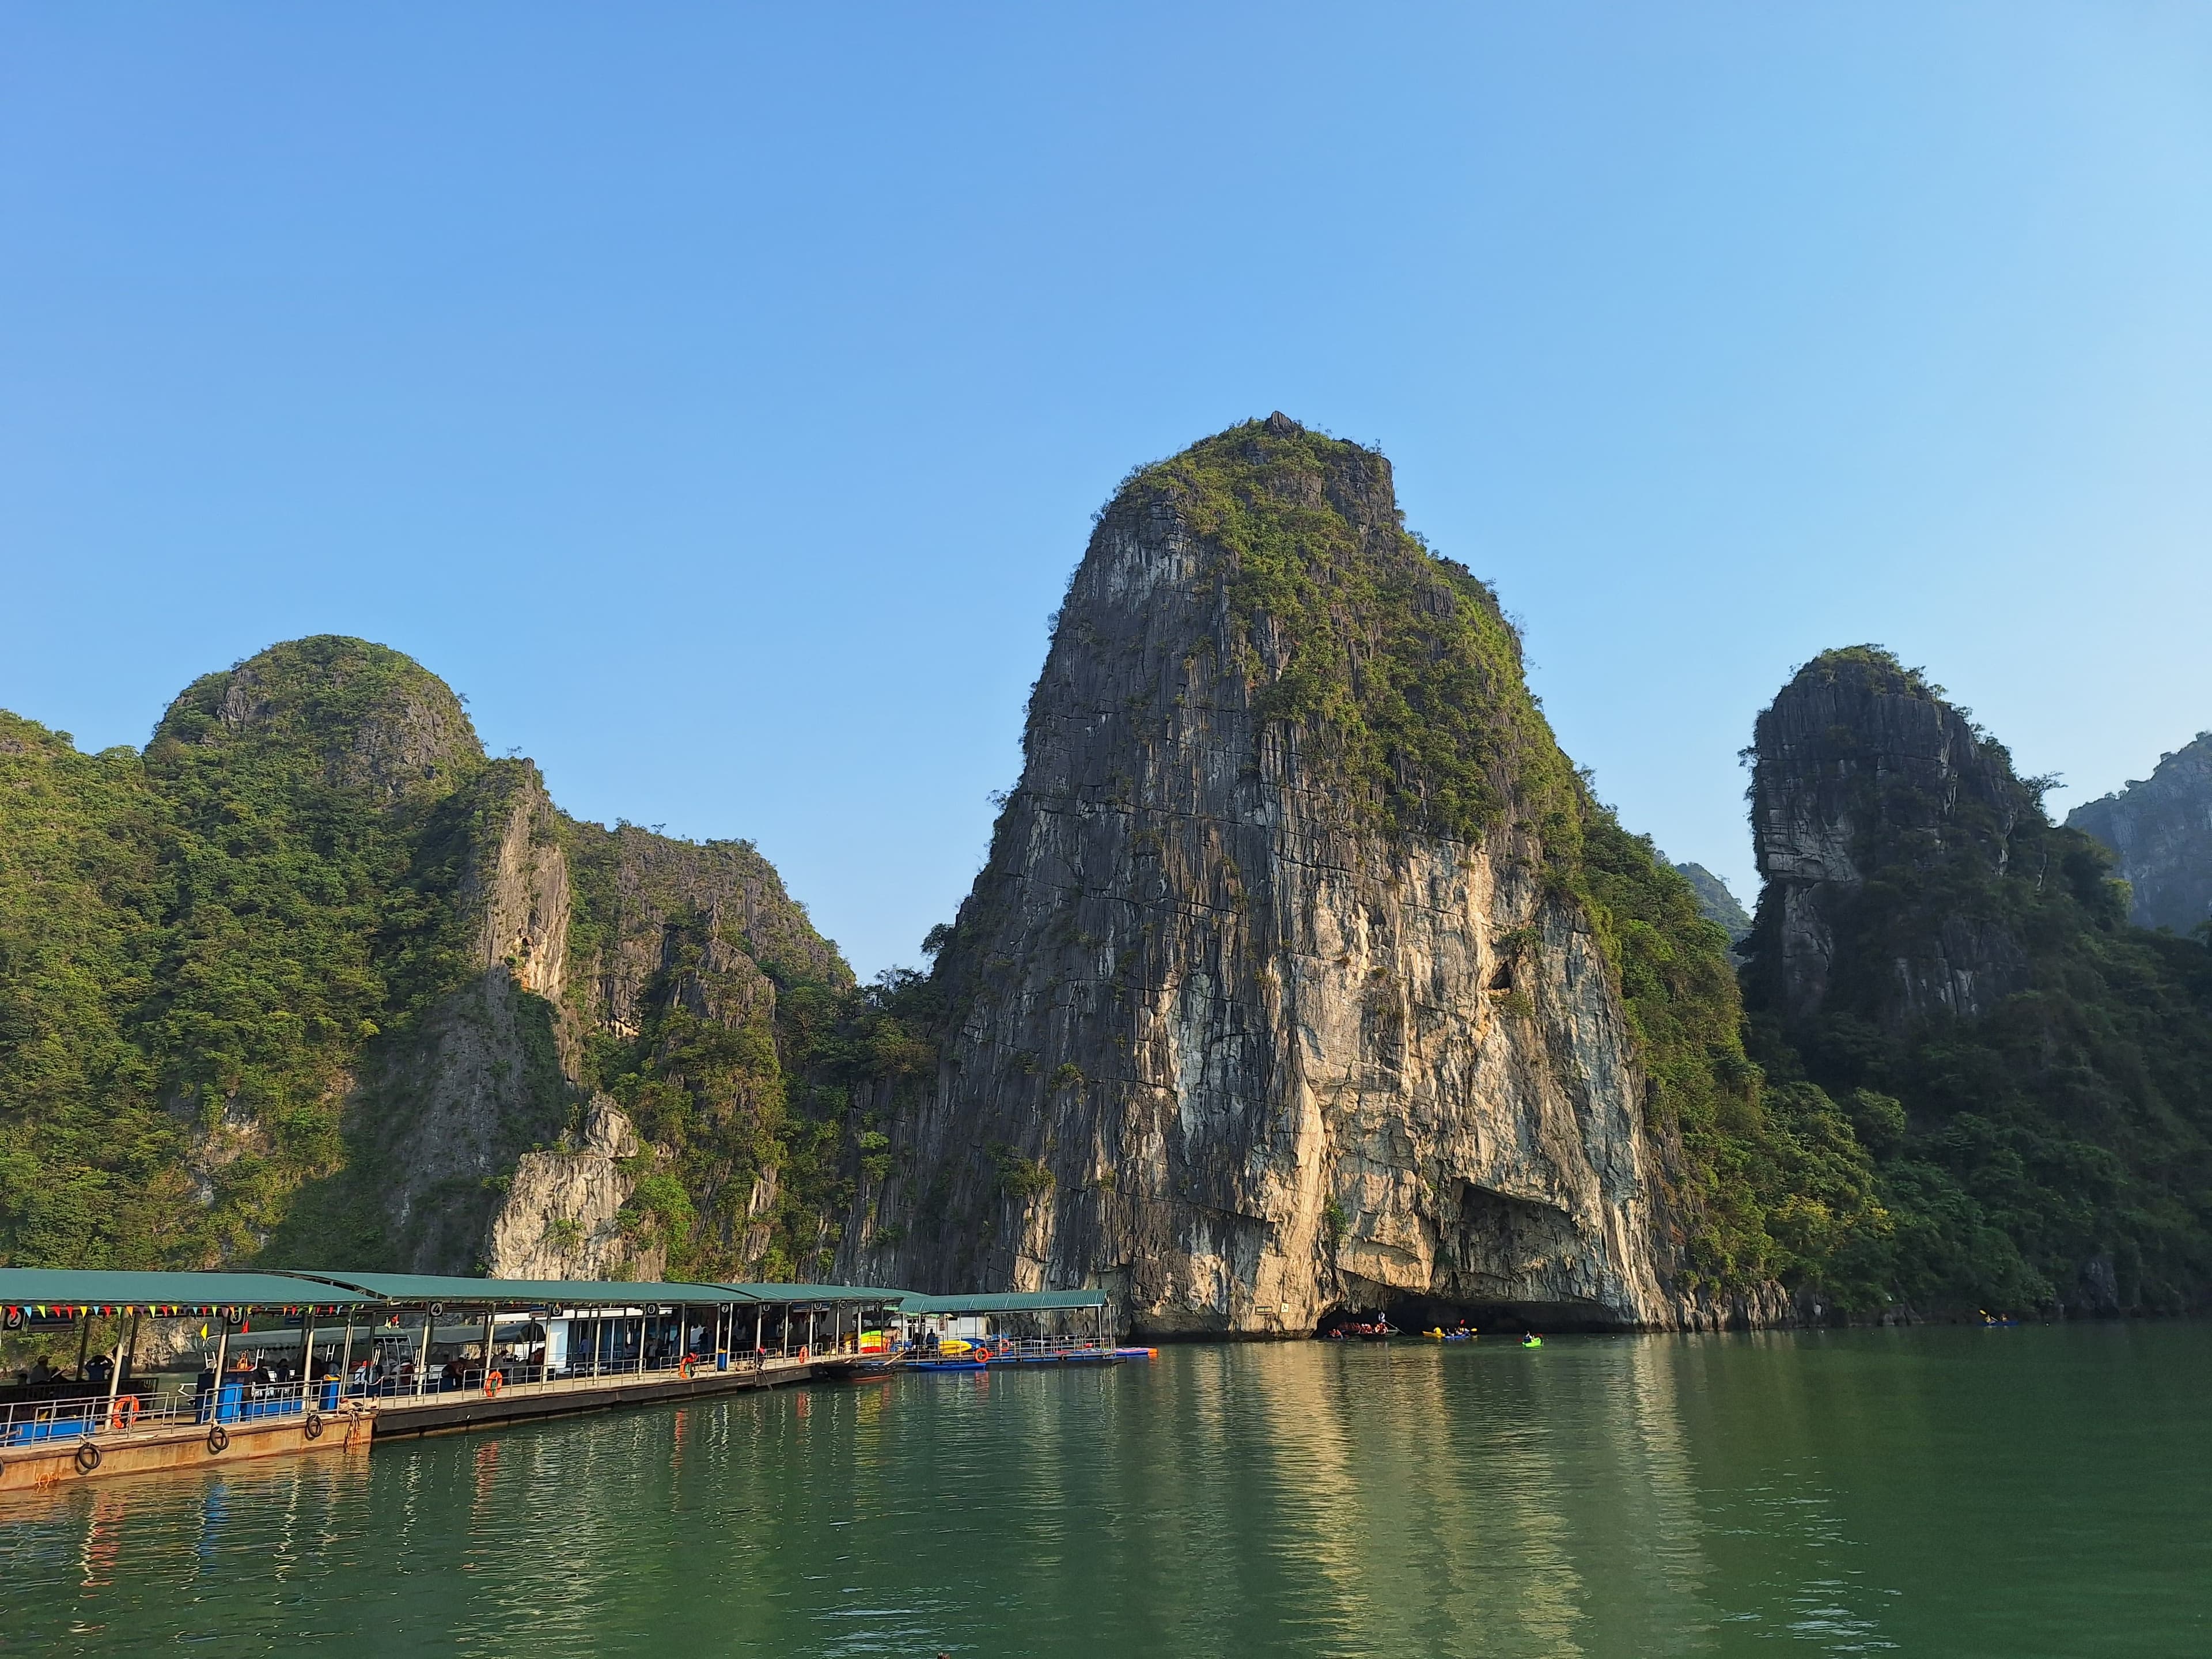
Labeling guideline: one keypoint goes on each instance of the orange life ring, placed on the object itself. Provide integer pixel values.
(493, 1384)
(805, 1354)
(683, 1367)
(125, 1412)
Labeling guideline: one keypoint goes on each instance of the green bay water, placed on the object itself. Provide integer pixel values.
(1932, 1491)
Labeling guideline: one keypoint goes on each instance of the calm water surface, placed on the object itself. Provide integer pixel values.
(1939, 1492)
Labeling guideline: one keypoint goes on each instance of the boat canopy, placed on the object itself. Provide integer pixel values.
(1001, 1302)
(97, 1290)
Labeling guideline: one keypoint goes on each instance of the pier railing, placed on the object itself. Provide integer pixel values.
(94, 1415)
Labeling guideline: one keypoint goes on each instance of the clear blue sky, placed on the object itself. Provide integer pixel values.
(718, 395)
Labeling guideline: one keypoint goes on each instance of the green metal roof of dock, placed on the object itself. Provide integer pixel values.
(992, 1302)
(185, 1292)
(870, 1293)
(520, 1292)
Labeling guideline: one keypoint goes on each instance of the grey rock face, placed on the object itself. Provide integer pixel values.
(1219, 1045)
(1860, 767)
(722, 900)
(2159, 831)
(481, 1076)
(665, 923)
(562, 1218)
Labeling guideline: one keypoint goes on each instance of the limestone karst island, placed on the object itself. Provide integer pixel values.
(1307, 991)
(1129, 832)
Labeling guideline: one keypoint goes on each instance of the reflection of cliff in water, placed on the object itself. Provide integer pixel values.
(1463, 1496)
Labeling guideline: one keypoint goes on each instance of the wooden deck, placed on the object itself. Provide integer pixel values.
(181, 1442)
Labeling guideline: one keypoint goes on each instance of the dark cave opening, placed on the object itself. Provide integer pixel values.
(1410, 1316)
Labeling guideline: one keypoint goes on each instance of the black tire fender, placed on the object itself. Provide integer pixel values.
(312, 1428)
(218, 1438)
(88, 1457)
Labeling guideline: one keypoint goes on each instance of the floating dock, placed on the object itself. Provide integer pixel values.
(369, 1347)
(448, 1413)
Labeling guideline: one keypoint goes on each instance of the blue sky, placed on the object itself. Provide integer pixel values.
(718, 395)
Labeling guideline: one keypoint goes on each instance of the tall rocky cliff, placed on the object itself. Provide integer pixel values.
(2159, 831)
(312, 980)
(1865, 774)
(1287, 987)
(1956, 974)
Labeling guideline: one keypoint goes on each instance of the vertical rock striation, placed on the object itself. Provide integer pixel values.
(2159, 831)
(564, 1212)
(450, 1103)
(1272, 999)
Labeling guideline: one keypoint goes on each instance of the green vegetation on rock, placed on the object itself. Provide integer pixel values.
(1714, 898)
(294, 926)
(92, 1170)
(2042, 1136)
(232, 968)
(1404, 684)
(1397, 666)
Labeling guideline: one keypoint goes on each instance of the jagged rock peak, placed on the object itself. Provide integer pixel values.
(1389, 674)
(1861, 765)
(2159, 830)
(375, 719)
(1262, 1004)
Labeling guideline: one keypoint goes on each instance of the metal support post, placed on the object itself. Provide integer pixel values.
(221, 1362)
(115, 1371)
